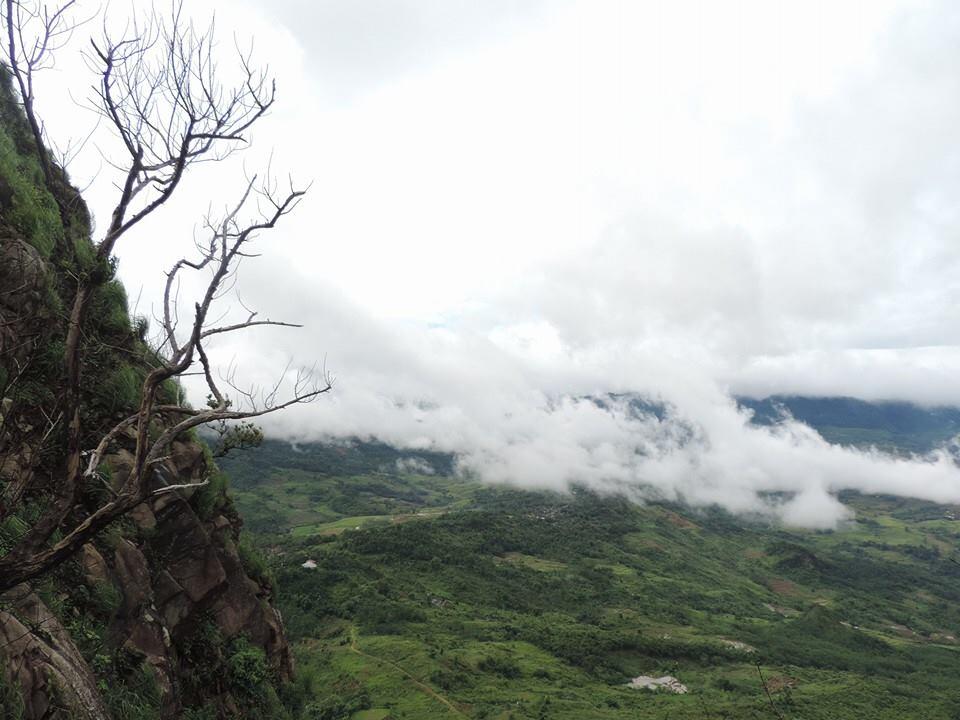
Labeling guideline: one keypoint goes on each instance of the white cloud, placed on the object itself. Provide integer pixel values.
(683, 199)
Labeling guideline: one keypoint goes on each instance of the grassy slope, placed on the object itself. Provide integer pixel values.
(455, 600)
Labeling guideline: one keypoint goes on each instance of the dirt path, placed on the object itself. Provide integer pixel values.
(425, 688)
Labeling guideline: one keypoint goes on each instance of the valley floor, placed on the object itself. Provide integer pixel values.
(434, 597)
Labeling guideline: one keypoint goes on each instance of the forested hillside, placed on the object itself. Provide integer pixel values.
(899, 427)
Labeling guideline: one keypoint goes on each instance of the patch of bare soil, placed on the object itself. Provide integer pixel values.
(679, 520)
(783, 587)
(779, 683)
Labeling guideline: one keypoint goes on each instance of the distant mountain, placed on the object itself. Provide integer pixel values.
(893, 426)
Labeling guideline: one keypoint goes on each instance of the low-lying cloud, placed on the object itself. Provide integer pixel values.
(525, 408)
(687, 201)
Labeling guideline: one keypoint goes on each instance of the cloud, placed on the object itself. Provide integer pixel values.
(516, 211)
(358, 46)
(690, 240)
(923, 375)
(414, 465)
(515, 414)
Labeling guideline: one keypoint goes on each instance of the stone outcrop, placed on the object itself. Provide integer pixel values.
(178, 573)
(22, 284)
(667, 683)
(40, 657)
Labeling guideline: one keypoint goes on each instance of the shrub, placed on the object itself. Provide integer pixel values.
(10, 700)
(119, 391)
(253, 561)
(337, 707)
(247, 672)
(211, 497)
(504, 667)
(108, 310)
(207, 712)
(105, 599)
(251, 682)
(137, 697)
(170, 391)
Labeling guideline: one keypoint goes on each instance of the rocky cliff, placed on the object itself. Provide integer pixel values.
(168, 612)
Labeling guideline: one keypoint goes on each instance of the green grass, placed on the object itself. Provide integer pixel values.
(372, 714)
(531, 562)
(32, 210)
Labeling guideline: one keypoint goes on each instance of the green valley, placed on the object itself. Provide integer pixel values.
(434, 596)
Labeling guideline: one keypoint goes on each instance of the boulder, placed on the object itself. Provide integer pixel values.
(95, 570)
(133, 575)
(22, 281)
(39, 655)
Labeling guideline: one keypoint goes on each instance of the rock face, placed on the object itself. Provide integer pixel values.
(175, 575)
(41, 658)
(22, 281)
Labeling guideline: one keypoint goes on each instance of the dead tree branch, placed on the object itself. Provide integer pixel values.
(162, 93)
(34, 34)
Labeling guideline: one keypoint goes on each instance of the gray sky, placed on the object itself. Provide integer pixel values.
(517, 202)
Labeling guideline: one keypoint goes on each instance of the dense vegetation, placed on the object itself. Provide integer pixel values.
(435, 597)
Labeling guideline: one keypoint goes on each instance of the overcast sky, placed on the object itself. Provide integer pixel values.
(519, 203)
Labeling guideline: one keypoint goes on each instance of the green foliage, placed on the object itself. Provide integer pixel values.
(233, 436)
(203, 651)
(115, 359)
(250, 681)
(12, 528)
(254, 563)
(119, 391)
(312, 489)
(26, 202)
(247, 673)
(136, 697)
(38, 386)
(171, 392)
(210, 498)
(236, 666)
(504, 667)
(128, 686)
(108, 310)
(105, 599)
(343, 700)
(204, 712)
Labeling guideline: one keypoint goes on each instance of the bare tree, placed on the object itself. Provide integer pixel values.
(34, 34)
(161, 91)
